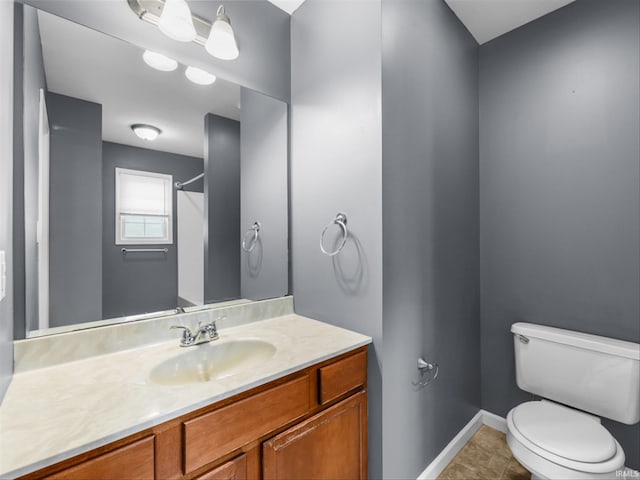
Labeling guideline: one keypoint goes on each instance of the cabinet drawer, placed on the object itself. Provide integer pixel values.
(235, 469)
(341, 377)
(132, 461)
(218, 433)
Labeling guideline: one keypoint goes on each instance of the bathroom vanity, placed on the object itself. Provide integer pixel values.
(302, 413)
(295, 424)
(280, 396)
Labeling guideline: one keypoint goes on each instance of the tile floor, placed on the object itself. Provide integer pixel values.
(486, 456)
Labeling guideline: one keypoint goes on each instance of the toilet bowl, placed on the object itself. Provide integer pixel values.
(556, 442)
(599, 376)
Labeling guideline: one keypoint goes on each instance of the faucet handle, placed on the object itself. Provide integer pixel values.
(212, 330)
(186, 333)
(186, 329)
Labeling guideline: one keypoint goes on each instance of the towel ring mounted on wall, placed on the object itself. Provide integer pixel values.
(341, 221)
(255, 229)
(427, 373)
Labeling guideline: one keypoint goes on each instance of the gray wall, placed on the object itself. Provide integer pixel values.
(18, 220)
(560, 200)
(431, 239)
(75, 229)
(221, 209)
(6, 170)
(142, 282)
(29, 78)
(34, 80)
(336, 166)
(261, 28)
(264, 195)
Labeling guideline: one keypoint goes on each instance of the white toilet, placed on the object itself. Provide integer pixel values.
(597, 375)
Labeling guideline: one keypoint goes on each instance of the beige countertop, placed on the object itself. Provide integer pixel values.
(53, 413)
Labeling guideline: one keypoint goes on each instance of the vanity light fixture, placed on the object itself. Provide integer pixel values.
(222, 41)
(176, 21)
(217, 37)
(159, 61)
(146, 132)
(199, 76)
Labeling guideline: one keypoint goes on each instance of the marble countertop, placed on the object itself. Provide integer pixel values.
(53, 413)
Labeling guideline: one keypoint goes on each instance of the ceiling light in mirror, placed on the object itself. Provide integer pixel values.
(159, 61)
(198, 76)
(146, 132)
(176, 22)
(222, 41)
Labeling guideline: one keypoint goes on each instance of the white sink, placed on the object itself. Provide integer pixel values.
(212, 361)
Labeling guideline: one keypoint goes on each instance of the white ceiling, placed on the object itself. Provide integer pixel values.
(485, 19)
(488, 19)
(82, 63)
(288, 6)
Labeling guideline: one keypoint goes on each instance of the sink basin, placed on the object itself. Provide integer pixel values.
(212, 361)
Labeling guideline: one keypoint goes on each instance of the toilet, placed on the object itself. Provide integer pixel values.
(580, 377)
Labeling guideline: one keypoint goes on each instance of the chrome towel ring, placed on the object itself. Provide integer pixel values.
(341, 221)
(255, 229)
(428, 372)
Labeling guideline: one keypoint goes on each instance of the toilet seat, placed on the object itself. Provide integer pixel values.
(565, 437)
(564, 432)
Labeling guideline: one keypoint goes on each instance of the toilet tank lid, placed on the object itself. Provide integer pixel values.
(587, 341)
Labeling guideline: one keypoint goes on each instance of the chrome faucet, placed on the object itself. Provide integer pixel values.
(205, 333)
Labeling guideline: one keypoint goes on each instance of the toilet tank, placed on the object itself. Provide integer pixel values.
(596, 374)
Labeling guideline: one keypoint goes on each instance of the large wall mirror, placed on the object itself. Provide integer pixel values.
(108, 236)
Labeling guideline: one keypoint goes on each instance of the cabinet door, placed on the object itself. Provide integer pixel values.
(235, 469)
(330, 445)
(133, 461)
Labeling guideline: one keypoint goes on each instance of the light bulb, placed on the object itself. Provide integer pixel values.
(199, 76)
(176, 22)
(222, 41)
(146, 132)
(159, 61)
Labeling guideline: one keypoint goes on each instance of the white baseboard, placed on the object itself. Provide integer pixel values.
(439, 463)
(494, 421)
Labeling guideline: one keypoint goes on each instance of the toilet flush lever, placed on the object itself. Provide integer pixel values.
(523, 339)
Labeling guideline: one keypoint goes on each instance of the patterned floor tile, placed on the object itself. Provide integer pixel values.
(486, 456)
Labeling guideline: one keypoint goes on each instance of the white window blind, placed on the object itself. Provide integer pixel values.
(143, 207)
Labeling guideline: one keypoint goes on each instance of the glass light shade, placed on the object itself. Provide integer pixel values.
(146, 132)
(176, 22)
(222, 41)
(159, 61)
(199, 76)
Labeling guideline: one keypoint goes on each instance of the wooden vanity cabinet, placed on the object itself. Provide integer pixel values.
(310, 424)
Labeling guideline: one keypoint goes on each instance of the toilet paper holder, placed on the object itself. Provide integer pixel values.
(427, 372)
